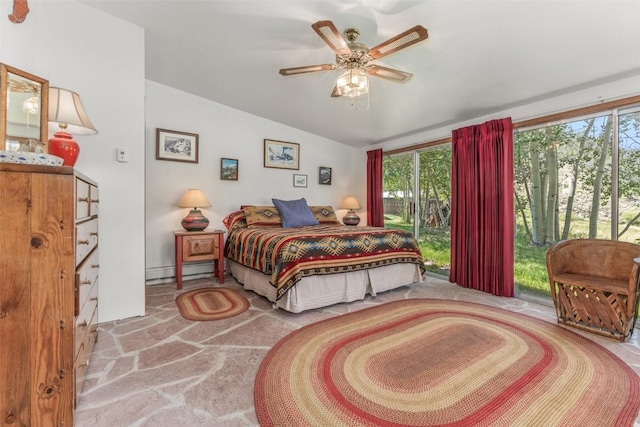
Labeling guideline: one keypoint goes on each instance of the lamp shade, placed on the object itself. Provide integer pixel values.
(67, 118)
(66, 112)
(350, 203)
(194, 198)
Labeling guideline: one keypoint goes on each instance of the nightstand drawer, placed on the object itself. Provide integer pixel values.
(198, 248)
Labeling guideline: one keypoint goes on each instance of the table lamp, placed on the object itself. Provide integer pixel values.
(67, 117)
(194, 198)
(351, 218)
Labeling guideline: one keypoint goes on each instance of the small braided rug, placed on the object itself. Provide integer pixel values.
(211, 304)
(423, 362)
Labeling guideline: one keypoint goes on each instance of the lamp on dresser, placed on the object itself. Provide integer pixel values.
(194, 198)
(66, 118)
(351, 218)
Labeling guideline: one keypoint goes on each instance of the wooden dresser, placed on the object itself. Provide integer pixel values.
(48, 291)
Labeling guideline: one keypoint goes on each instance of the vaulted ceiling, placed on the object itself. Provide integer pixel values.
(481, 56)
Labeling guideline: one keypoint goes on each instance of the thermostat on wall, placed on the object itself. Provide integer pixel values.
(121, 155)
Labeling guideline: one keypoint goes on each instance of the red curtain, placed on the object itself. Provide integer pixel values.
(375, 208)
(482, 216)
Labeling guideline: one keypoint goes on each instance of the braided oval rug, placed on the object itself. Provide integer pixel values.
(211, 304)
(424, 362)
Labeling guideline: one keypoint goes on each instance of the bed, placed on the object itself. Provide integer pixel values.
(303, 267)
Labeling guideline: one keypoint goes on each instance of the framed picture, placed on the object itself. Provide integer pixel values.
(281, 155)
(228, 169)
(324, 175)
(299, 180)
(176, 146)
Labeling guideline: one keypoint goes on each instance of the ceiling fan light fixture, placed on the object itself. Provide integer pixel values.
(353, 83)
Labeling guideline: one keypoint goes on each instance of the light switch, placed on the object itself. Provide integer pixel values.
(121, 155)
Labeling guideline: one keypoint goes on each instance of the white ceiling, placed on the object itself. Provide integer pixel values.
(481, 56)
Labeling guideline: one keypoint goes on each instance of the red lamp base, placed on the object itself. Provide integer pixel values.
(195, 221)
(62, 145)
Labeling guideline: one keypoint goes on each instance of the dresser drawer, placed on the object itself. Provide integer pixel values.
(86, 238)
(87, 317)
(94, 198)
(83, 355)
(199, 248)
(82, 199)
(86, 277)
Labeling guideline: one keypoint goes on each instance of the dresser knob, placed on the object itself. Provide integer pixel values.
(93, 299)
(83, 324)
(93, 233)
(85, 282)
(83, 199)
(95, 265)
(83, 242)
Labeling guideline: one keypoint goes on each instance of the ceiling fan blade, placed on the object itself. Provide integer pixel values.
(389, 73)
(331, 36)
(307, 69)
(399, 42)
(335, 93)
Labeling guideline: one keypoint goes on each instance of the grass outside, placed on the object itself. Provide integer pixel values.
(530, 270)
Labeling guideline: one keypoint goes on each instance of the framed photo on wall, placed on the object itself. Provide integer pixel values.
(281, 155)
(228, 169)
(324, 175)
(299, 180)
(176, 146)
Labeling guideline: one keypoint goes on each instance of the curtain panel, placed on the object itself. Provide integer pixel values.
(375, 208)
(482, 215)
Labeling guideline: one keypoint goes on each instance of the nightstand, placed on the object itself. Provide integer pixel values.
(200, 246)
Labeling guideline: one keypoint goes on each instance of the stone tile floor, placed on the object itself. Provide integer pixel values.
(163, 370)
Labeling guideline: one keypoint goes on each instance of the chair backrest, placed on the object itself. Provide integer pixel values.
(593, 257)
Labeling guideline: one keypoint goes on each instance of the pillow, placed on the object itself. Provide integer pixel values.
(325, 215)
(295, 213)
(235, 220)
(262, 216)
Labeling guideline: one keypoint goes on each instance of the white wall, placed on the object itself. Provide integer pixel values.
(226, 132)
(102, 58)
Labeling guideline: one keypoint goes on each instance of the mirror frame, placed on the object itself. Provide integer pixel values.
(4, 93)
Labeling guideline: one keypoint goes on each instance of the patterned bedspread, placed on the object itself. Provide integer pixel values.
(289, 254)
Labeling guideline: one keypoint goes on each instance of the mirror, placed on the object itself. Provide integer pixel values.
(25, 110)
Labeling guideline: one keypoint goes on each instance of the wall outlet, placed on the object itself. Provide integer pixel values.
(121, 155)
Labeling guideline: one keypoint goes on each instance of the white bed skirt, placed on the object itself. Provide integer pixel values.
(324, 290)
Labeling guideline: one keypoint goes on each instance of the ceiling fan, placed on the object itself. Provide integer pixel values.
(355, 58)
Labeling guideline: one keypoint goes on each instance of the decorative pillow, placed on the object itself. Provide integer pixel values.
(235, 220)
(325, 215)
(262, 216)
(295, 213)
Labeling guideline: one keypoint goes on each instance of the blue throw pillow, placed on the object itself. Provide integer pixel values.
(295, 213)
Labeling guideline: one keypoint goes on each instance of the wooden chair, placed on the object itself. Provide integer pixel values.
(594, 285)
